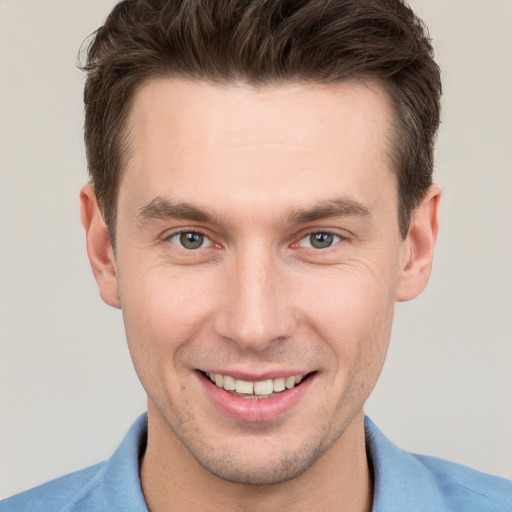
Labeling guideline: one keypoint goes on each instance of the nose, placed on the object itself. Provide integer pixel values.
(255, 309)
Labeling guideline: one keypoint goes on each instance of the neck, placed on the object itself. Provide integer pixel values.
(173, 479)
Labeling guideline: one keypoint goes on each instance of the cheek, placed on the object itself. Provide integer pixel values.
(163, 312)
(353, 313)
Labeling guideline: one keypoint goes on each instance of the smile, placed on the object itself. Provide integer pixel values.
(256, 401)
(254, 389)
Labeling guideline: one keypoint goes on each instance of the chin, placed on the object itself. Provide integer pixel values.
(271, 471)
(263, 461)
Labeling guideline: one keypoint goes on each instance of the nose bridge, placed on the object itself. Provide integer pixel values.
(255, 310)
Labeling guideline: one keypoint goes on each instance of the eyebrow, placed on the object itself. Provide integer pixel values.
(163, 209)
(340, 207)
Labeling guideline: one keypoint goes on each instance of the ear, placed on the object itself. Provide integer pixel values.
(418, 248)
(99, 248)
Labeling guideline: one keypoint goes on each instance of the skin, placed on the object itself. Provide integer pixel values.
(264, 168)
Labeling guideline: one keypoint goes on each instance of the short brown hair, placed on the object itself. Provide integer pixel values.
(261, 42)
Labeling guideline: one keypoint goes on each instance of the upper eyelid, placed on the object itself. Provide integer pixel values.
(333, 233)
(304, 234)
(328, 231)
(173, 232)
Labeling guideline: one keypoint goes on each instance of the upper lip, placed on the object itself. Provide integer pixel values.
(256, 377)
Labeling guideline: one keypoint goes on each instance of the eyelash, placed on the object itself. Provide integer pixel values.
(335, 236)
(191, 232)
(337, 239)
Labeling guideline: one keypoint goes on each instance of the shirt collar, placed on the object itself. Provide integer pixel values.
(400, 480)
(121, 487)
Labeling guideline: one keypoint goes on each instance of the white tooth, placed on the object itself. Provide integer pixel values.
(219, 380)
(229, 383)
(263, 387)
(242, 386)
(298, 378)
(279, 384)
(290, 382)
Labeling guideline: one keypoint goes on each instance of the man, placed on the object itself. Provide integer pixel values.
(260, 197)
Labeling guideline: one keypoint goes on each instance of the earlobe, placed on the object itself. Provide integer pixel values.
(418, 249)
(99, 247)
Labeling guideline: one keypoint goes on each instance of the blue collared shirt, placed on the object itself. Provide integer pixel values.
(403, 483)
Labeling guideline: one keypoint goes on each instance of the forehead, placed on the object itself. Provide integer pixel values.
(283, 142)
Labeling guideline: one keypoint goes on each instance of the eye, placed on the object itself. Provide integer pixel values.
(320, 240)
(190, 240)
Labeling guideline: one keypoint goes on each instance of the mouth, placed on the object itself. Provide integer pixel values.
(264, 399)
(256, 401)
(256, 390)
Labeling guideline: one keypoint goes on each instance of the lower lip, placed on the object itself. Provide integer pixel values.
(255, 410)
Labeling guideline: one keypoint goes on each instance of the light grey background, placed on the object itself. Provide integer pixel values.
(67, 388)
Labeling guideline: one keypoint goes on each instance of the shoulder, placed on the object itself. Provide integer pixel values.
(404, 481)
(56, 495)
(110, 485)
(464, 488)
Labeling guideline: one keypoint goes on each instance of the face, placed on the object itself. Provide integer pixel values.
(257, 242)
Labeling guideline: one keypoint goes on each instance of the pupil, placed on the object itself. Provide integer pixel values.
(191, 240)
(321, 240)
